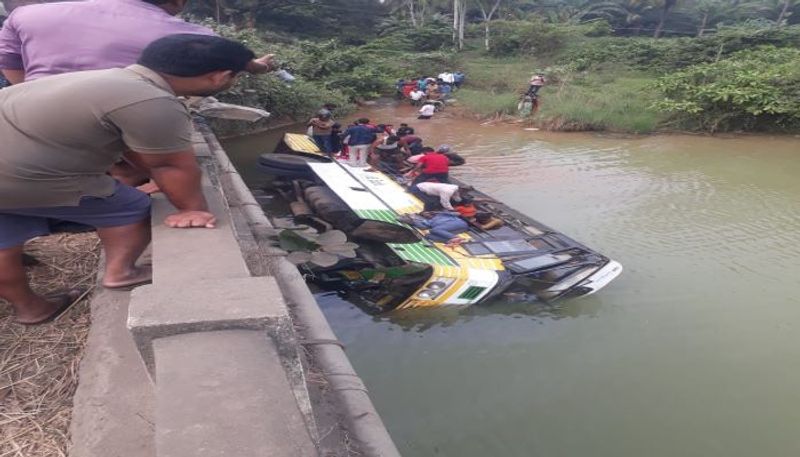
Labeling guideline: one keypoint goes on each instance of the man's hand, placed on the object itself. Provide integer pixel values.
(261, 65)
(191, 219)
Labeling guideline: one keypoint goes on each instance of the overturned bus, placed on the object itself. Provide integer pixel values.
(396, 267)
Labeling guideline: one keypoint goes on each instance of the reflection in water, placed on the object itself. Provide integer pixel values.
(421, 319)
(690, 352)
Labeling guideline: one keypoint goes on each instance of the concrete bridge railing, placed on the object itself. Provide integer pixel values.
(217, 338)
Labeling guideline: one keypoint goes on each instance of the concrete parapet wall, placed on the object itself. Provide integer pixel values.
(218, 344)
(253, 230)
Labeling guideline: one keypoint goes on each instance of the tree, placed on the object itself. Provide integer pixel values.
(459, 20)
(487, 17)
(666, 7)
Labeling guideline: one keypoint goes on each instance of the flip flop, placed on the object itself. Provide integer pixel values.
(134, 284)
(66, 300)
(130, 286)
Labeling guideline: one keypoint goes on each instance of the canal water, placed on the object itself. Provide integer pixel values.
(693, 351)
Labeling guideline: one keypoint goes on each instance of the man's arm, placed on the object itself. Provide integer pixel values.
(11, 52)
(444, 199)
(261, 65)
(14, 76)
(178, 176)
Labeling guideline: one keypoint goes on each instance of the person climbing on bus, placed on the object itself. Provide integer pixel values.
(443, 193)
(431, 166)
(321, 127)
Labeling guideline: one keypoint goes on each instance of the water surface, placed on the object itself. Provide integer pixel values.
(693, 351)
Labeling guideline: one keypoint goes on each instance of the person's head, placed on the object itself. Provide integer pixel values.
(196, 64)
(336, 126)
(324, 114)
(443, 148)
(363, 121)
(428, 150)
(483, 217)
(403, 124)
(173, 7)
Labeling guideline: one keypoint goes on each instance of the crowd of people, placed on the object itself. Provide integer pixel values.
(448, 209)
(429, 93)
(94, 109)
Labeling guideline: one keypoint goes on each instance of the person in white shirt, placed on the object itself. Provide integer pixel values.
(427, 110)
(447, 77)
(444, 191)
(416, 96)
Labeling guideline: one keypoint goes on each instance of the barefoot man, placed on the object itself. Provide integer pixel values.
(62, 133)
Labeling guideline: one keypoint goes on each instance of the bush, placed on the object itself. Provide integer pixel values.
(757, 89)
(670, 53)
(527, 37)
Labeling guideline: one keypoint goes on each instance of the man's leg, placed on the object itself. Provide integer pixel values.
(124, 245)
(14, 287)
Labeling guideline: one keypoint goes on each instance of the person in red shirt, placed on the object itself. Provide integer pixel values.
(433, 166)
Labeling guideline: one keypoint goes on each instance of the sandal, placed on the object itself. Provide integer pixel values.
(64, 300)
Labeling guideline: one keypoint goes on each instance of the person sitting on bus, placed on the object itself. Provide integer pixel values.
(486, 221)
(442, 226)
(432, 166)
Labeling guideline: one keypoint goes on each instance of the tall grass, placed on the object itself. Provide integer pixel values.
(486, 103)
(605, 99)
(601, 102)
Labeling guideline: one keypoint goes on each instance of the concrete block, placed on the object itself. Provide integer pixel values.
(225, 394)
(183, 255)
(158, 311)
(114, 406)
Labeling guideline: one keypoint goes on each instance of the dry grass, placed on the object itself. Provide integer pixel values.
(39, 365)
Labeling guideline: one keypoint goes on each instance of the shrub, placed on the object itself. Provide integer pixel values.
(756, 89)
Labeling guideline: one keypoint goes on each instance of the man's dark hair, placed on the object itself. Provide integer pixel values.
(189, 55)
(392, 139)
(363, 120)
(428, 149)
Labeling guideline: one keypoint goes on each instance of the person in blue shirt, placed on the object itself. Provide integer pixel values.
(442, 226)
(445, 90)
(359, 138)
(422, 83)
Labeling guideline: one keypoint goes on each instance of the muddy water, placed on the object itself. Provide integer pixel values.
(693, 351)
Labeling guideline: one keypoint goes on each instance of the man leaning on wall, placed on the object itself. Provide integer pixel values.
(53, 162)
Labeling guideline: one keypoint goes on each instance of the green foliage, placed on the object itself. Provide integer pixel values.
(401, 35)
(668, 54)
(757, 89)
(526, 37)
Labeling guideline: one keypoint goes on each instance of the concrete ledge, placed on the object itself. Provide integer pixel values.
(184, 255)
(220, 396)
(253, 303)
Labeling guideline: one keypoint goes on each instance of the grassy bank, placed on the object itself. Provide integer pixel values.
(604, 99)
